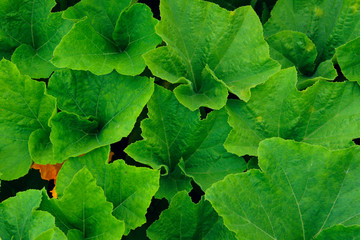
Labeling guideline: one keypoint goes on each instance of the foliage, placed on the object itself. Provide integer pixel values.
(219, 120)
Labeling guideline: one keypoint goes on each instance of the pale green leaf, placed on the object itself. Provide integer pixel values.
(83, 207)
(97, 110)
(129, 188)
(208, 49)
(24, 108)
(301, 190)
(326, 113)
(187, 220)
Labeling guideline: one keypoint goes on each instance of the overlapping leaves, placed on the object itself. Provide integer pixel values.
(29, 34)
(112, 34)
(210, 50)
(300, 191)
(174, 135)
(326, 114)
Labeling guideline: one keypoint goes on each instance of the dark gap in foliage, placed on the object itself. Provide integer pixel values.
(147, 73)
(253, 163)
(153, 213)
(340, 76)
(51, 186)
(118, 148)
(62, 5)
(232, 96)
(247, 158)
(135, 135)
(154, 5)
(356, 141)
(32, 180)
(204, 111)
(196, 193)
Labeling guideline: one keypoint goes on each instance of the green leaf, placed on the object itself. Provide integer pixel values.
(24, 108)
(340, 232)
(175, 135)
(84, 208)
(348, 57)
(301, 190)
(97, 110)
(129, 188)
(291, 48)
(117, 35)
(19, 219)
(32, 32)
(325, 71)
(210, 49)
(328, 23)
(187, 220)
(325, 114)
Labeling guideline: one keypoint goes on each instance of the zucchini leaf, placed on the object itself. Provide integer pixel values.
(129, 188)
(326, 114)
(175, 137)
(96, 110)
(30, 32)
(19, 219)
(300, 191)
(83, 212)
(109, 34)
(187, 220)
(24, 108)
(209, 51)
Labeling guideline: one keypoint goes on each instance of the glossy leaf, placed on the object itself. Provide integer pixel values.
(83, 208)
(326, 114)
(300, 191)
(187, 220)
(19, 219)
(97, 110)
(24, 108)
(210, 50)
(173, 134)
(117, 35)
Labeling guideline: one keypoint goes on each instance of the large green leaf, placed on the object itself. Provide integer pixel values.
(328, 23)
(28, 29)
(291, 48)
(97, 110)
(19, 219)
(24, 108)
(210, 49)
(348, 57)
(129, 188)
(301, 190)
(327, 114)
(187, 220)
(83, 212)
(110, 35)
(173, 134)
